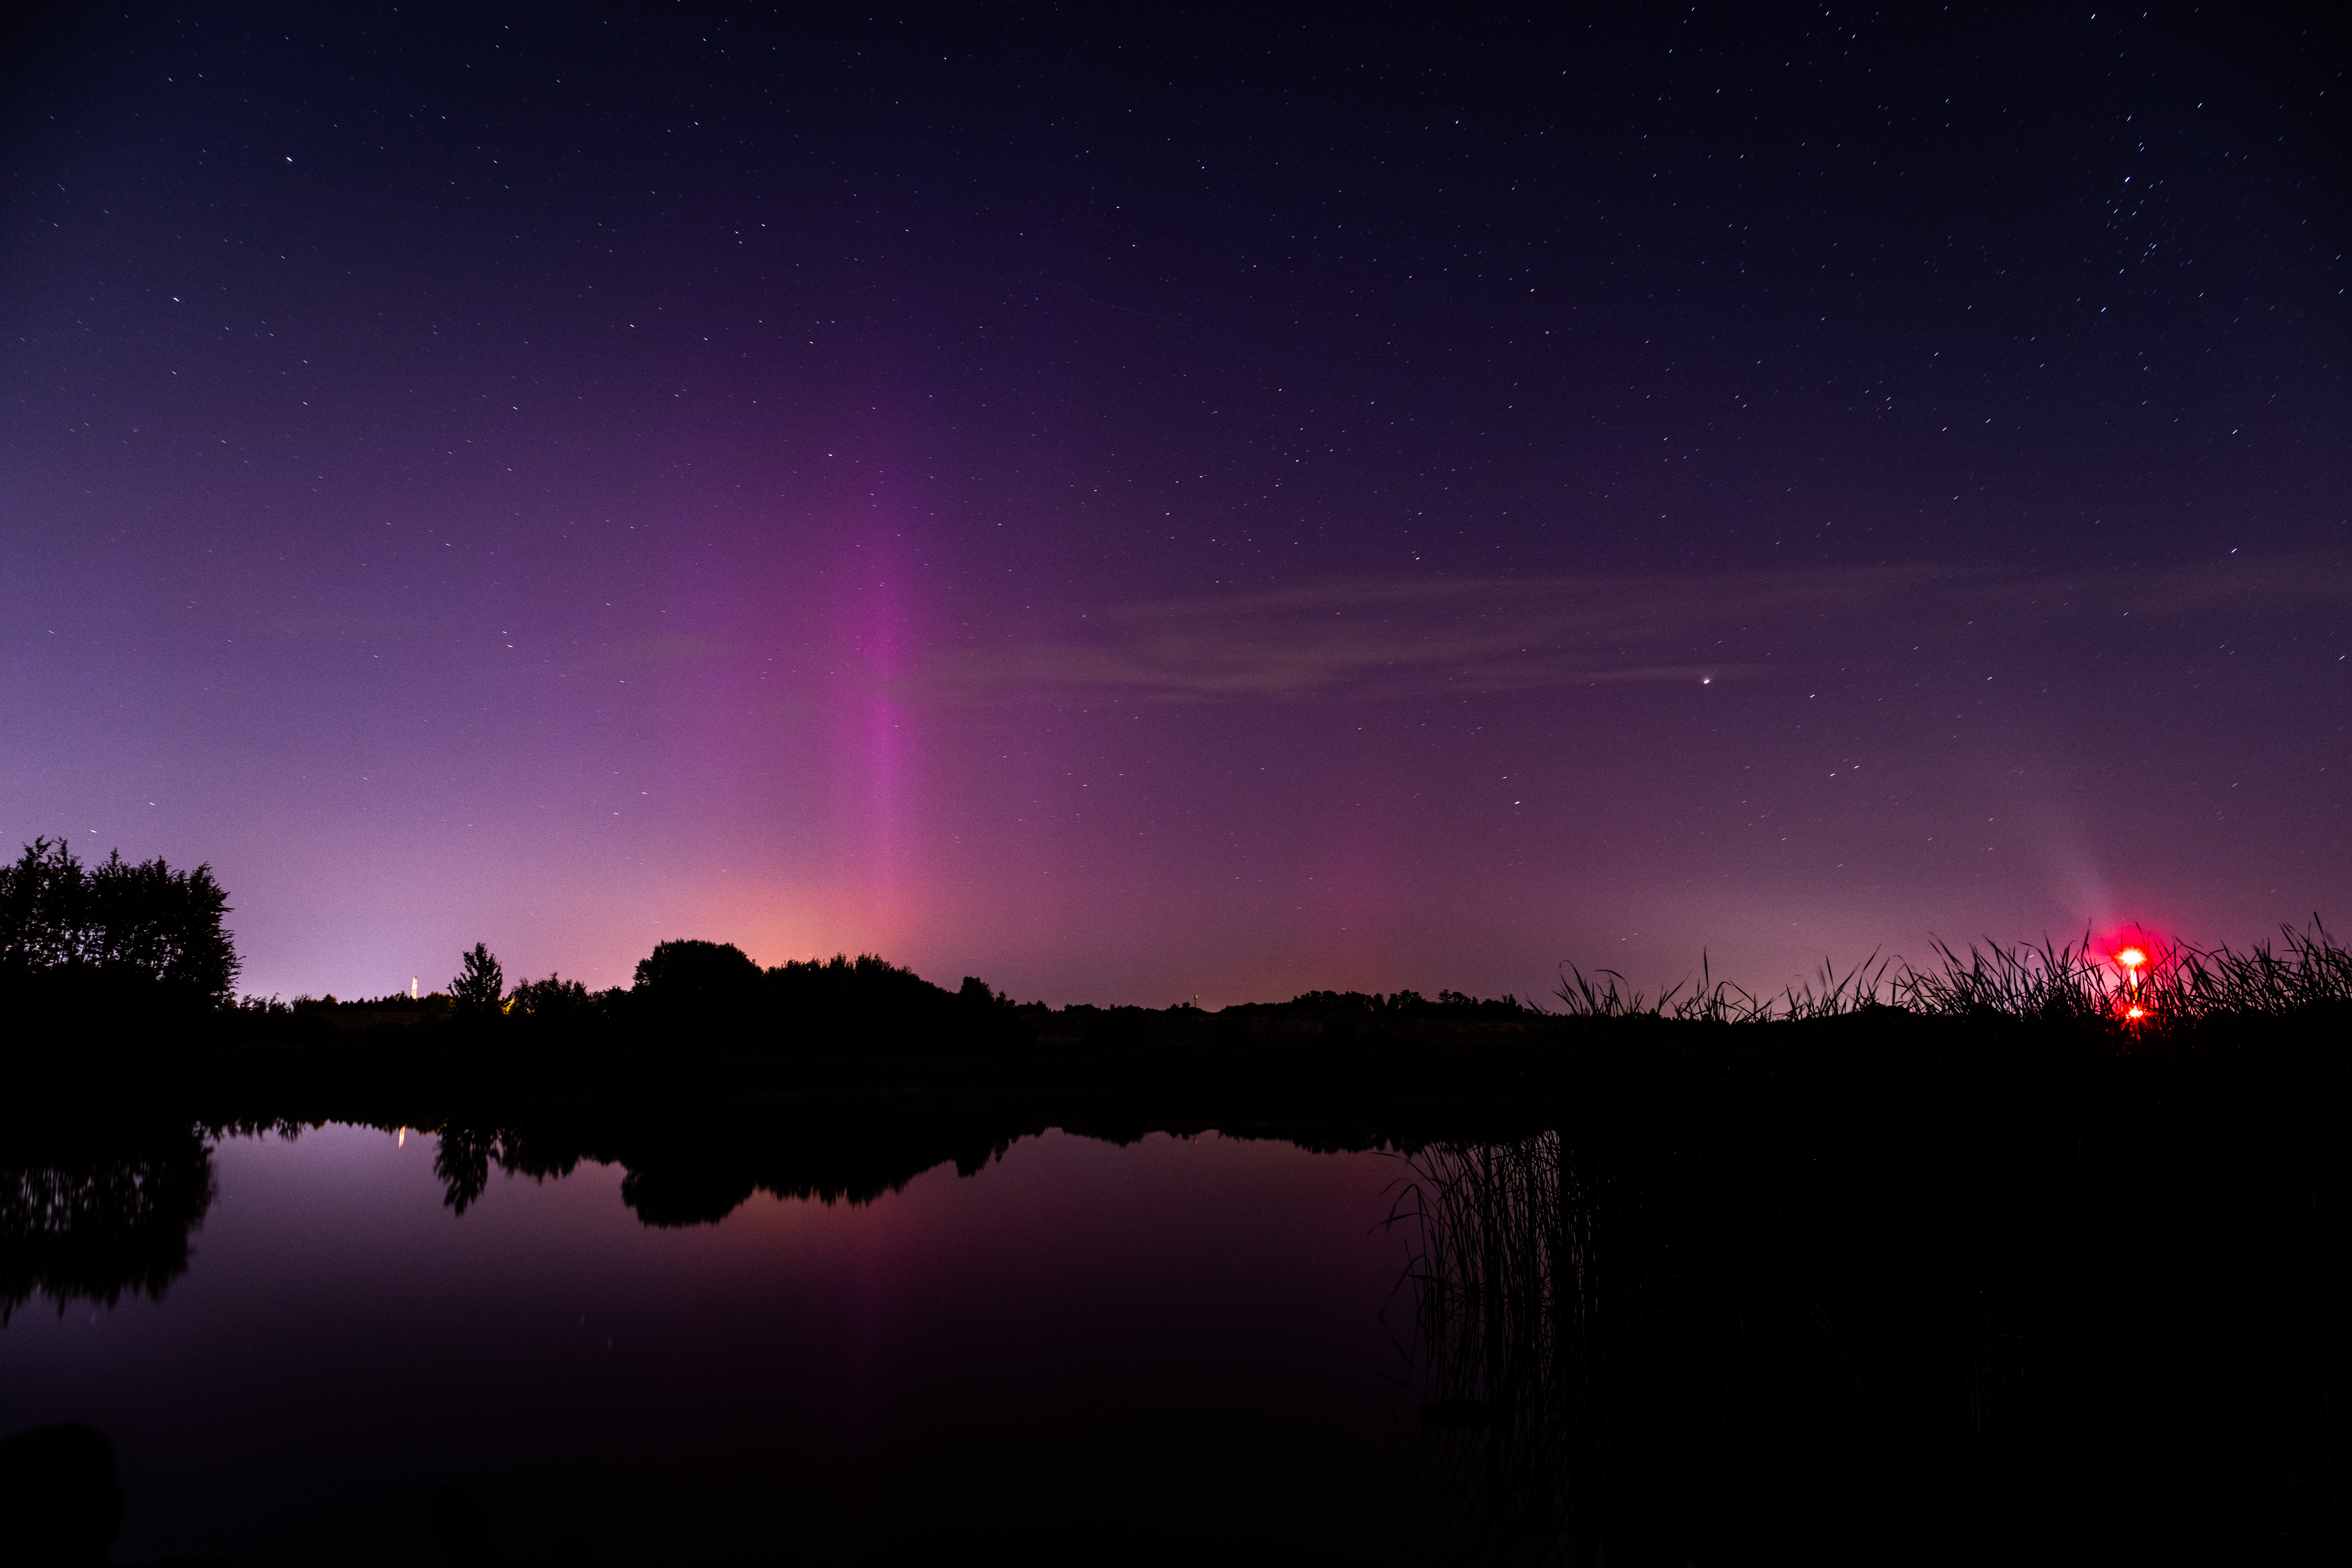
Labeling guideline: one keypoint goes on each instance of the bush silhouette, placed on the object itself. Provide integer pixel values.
(121, 942)
(554, 1007)
(698, 985)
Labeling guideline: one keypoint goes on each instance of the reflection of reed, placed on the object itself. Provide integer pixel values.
(1748, 1305)
(1502, 1288)
(88, 1218)
(1626, 1353)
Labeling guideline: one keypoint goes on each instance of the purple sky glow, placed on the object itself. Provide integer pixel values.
(1136, 511)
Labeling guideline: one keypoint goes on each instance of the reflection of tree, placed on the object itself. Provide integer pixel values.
(677, 1176)
(467, 1153)
(88, 1219)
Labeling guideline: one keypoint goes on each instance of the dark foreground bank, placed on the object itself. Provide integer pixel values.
(1868, 1286)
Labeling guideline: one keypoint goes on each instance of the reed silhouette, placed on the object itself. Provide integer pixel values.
(2171, 983)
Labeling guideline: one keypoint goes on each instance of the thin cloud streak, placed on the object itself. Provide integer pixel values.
(1369, 639)
(1374, 639)
(2307, 580)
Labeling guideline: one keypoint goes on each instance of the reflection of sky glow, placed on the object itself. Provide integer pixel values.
(782, 1360)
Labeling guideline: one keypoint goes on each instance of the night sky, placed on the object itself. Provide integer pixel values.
(1190, 506)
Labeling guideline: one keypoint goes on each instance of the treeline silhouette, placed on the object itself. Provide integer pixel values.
(138, 952)
(693, 991)
(713, 995)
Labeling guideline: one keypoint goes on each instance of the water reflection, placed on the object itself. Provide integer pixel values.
(1674, 1339)
(692, 1174)
(1501, 1296)
(1620, 1359)
(694, 1170)
(93, 1214)
(1016, 1367)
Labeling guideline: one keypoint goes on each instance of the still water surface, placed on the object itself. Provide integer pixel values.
(1174, 1350)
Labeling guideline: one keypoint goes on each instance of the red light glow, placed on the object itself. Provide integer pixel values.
(2131, 958)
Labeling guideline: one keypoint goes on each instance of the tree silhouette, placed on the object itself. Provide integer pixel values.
(120, 938)
(164, 926)
(479, 983)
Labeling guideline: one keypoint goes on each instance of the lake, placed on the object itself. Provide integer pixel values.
(1955, 1307)
(1177, 1348)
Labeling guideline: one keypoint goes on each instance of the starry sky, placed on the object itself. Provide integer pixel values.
(1142, 508)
